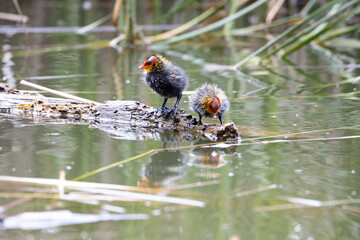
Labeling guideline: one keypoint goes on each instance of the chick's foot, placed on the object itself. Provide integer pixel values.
(162, 109)
(169, 111)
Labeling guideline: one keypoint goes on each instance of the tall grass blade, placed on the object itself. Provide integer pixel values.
(326, 28)
(354, 80)
(217, 24)
(93, 25)
(308, 7)
(116, 12)
(346, 43)
(185, 26)
(129, 37)
(337, 32)
(273, 10)
(287, 33)
(262, 26)
(311, 27)
(178, 6)
(234, 5)
(130, 15)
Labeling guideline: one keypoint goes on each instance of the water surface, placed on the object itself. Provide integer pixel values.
(248, 190)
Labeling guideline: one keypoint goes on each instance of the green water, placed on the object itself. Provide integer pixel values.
(247, 189)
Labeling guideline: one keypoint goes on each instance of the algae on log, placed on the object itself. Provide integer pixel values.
(125, 119)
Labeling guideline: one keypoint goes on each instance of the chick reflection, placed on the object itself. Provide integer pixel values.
(210, 158)
(207, 157)
(163, 170)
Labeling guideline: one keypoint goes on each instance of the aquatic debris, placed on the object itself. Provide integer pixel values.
(110, 192)
(51, 219)
(297, 203)
(256, 190)
(303, 201)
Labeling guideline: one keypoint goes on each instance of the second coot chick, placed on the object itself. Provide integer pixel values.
(209, 101)
(166, 79)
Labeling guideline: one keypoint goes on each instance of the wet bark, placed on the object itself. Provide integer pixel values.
(125, 119)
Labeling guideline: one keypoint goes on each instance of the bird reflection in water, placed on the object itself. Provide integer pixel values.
(164, 168)
(168, 166)
(209, 158)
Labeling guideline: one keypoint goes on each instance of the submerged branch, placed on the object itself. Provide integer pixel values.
(107, 191)
(297, 203)
(256, 190)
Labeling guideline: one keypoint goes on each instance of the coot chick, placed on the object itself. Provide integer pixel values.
(166, 79)
(209, 101)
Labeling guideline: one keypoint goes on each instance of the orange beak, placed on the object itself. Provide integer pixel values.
(143, 66)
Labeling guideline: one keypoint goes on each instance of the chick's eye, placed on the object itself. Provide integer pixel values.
(151, 59)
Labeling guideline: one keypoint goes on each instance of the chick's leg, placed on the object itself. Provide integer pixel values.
(174, 109)
(221, 121)
(199, 122)
(162, 108)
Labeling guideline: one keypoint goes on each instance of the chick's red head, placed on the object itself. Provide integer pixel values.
(153, 63)
(214, 106)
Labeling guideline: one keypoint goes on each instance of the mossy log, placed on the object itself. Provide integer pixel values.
(125, 119)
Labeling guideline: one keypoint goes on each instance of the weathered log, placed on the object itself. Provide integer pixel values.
(126, 119)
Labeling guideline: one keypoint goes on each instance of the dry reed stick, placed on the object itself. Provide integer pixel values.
(65, 95)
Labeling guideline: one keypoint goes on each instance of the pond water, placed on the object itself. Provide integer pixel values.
(299, 178)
